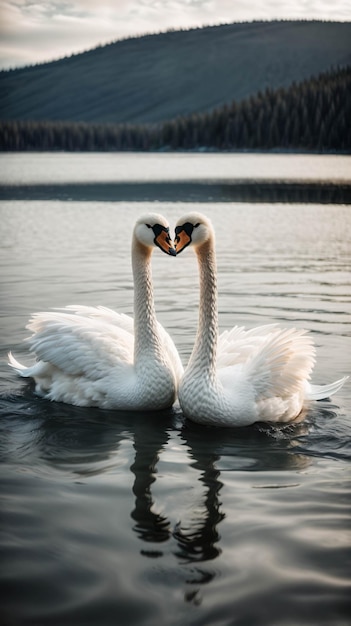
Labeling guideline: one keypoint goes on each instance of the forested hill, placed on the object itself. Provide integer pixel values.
(312, 115)
(159, 77)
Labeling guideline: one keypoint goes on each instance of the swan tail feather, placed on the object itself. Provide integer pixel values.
(38, 369)
(22, 370)
(321, 392)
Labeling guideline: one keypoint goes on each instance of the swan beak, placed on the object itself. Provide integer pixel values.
(164, 242)
(182, 240)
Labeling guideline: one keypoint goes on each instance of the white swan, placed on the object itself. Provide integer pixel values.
(243, 376)
(91, 356)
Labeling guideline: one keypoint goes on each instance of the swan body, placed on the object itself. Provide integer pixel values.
(242, 376)
(92, 356)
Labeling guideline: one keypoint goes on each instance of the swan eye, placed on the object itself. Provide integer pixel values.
(187, 227)
(157, 228)
(196, 225)
(148, 225)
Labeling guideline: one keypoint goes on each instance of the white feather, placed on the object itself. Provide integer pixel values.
(93, 356)
(245, 376)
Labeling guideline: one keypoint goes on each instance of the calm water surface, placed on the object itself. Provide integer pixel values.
(123, 519)
(102, 167)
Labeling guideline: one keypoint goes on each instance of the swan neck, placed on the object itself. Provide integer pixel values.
(205, 349)
(145, 323)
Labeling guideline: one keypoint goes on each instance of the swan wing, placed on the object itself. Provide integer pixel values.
(237, 345)
(125, 322)
(270, 361)
(102, 313)
(268, 380)
(269, 370)
(281, 364)
(80, 345)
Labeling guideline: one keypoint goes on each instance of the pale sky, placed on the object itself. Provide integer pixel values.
(32, 31)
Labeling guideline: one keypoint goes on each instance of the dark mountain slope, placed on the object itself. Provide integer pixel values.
(159, 77)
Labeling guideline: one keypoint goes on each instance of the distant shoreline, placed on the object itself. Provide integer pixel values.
(199, 150)
(212, 191)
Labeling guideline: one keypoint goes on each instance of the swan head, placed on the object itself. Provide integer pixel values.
(153, 230)
(193, 229)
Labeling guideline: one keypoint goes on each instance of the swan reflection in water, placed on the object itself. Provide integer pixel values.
(83, 444)
(149, 442)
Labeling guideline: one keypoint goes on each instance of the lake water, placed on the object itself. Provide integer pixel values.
(136, 519)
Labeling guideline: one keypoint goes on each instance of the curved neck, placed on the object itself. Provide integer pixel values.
(145, 323)
(205, 348)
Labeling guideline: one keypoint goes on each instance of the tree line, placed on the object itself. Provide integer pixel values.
(314, 114)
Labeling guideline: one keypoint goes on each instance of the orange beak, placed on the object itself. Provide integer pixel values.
(181, 240)
(164, 242)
